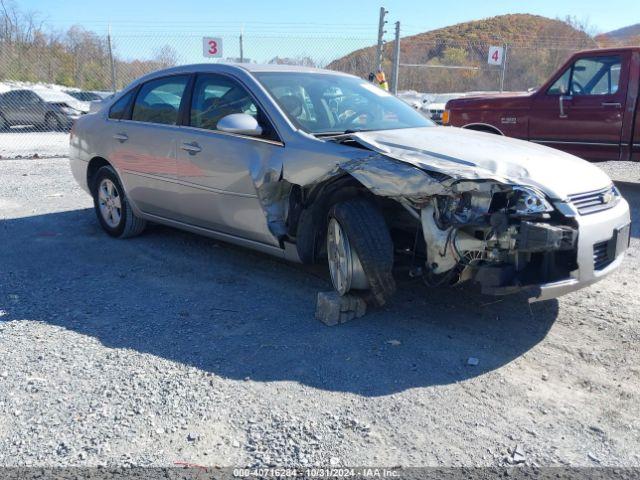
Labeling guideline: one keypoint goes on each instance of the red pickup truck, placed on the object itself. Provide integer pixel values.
(589, 108)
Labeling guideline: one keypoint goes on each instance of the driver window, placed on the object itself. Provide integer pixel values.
(216, 96)
(561, 85)
(595, 76)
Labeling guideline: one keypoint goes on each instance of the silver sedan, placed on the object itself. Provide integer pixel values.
(314, 165)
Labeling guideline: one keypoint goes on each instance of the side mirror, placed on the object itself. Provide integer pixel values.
(240, 123)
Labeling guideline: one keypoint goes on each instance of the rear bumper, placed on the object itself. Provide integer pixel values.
(79, 171)
(592, 229)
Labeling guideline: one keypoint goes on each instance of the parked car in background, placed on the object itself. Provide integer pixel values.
(42, 108)
(84, 95)
(434, 105)
(589, 108)
(96, 105)
(411, 97)
(430, 104)
(319, 166)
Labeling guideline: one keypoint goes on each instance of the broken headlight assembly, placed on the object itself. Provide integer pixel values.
(528, 201)
(508, 229)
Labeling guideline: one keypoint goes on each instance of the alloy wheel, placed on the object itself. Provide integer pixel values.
(110, 203)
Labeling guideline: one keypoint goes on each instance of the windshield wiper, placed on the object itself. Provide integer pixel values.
(328, 134)
(349, 131)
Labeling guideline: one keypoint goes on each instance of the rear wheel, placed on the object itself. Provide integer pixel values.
(360, 250)
(112, 206)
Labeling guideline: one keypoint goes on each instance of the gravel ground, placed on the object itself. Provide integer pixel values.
(171, 347)
(24, 142)
(622, 171)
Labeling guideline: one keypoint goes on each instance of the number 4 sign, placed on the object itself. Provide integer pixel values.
(496, 55)
(212, 47)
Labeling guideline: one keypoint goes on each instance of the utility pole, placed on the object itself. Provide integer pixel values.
(396, 62)
(111, 62)
(381, 32)
(504, 67)
(241, 49)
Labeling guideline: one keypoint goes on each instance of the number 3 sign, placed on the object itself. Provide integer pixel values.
(496, 55)
(212, 47)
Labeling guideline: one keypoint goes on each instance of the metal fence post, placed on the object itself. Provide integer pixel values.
(503, 71)
(396, 61)
(111, 62)
(381, 33)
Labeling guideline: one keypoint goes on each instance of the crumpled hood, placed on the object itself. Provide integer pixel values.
(476, 155)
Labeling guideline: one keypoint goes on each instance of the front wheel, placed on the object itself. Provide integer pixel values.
(360, 250)
(112, 206)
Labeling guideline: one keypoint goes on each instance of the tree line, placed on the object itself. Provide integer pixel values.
(31, 52)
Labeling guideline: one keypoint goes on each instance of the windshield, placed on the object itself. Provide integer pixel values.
(322, 103)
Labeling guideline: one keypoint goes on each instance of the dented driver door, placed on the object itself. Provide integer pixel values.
(216, 169)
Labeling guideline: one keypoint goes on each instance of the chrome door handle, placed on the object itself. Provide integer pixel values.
(192, 148)
(562, 98)
(611, 104)
(121, 137)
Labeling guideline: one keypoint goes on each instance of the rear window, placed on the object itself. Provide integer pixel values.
(119, 109)
(159, 100)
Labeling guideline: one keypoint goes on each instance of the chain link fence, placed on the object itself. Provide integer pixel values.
(46, 81)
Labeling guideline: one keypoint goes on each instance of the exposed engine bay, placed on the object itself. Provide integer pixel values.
(505, 237)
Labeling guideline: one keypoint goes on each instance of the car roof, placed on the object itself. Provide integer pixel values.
(260, 67)
(224, 67)
(609, 50)
(257, 67)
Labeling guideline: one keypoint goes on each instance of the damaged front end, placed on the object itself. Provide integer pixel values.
(504, 236)
(507, 238)
(454, 220)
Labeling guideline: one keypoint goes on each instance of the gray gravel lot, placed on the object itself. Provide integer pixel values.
(171, 347)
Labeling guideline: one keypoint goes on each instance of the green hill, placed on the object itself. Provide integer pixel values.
(536, 47)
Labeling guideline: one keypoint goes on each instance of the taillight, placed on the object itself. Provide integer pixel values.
(445, 117)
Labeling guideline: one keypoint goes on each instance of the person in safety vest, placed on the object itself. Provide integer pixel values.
(382, 80)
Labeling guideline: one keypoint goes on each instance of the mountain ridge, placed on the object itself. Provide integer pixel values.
(536, 47)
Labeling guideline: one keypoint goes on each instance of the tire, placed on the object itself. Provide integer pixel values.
(118, 222)
(368, 235)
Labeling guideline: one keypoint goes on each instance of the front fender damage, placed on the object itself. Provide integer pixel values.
(381, 175)
(386, 177)
(472, 222)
